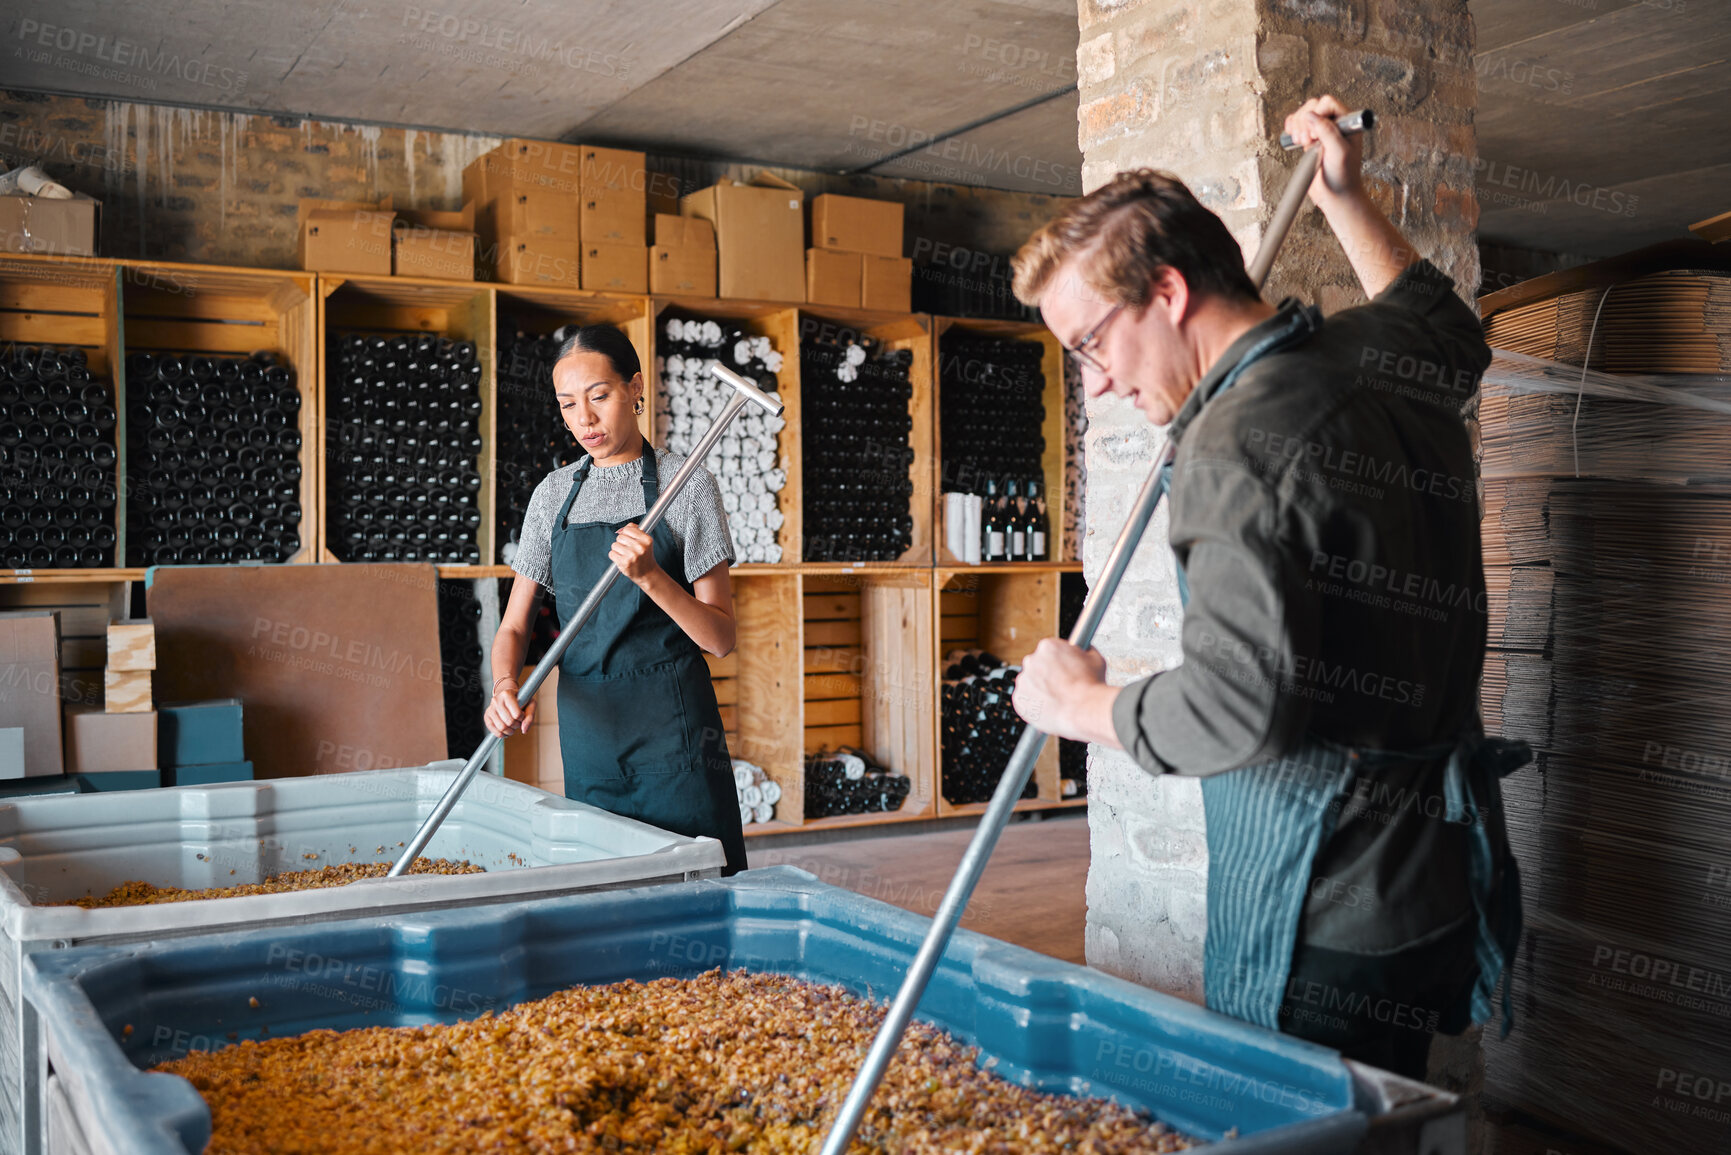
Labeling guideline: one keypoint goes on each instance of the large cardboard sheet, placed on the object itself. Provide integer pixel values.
(337, 665)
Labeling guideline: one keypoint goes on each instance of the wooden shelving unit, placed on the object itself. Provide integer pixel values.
(1006, 611)
(414, 306)
(1051, 461)
(780, 323)
(829, 653)
(229, 312)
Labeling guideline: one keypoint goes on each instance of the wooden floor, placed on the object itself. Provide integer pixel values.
(1032, 894)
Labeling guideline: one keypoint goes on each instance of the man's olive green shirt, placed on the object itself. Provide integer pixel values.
(1325, 512)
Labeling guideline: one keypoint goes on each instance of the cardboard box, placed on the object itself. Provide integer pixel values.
(832, 278)
(616, 268)
(30, 691)
(126, 691)
(538, 262)
(199, 733)
(207, 775)
(119, 780)
(435, 244)
(856, 225)
(673, 232)
(614, 205)
(612, 218)
(682, 272)
(346, 237)
(132, 645)
(97, 741)
(886, 283)
(43, 225)
(11, 752)
(759, 237)
(524, 212)
(542, 164)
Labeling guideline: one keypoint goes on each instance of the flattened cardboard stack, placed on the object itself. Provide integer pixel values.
(1607, 540)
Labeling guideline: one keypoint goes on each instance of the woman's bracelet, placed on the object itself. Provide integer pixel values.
(511, 680)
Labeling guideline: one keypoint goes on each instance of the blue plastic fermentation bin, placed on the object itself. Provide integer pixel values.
(57, 849)
(1053, 1025)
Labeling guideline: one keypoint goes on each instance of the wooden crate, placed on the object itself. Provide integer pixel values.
(1005, 610)
(757, 687)
(414, 305)
(539, 311)
(780, 323)
(867, 666)
(71, 302)
(1051, 461)
(896, 331)
(233, 312)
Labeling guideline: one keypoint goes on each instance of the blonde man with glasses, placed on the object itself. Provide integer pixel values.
(1325, 522)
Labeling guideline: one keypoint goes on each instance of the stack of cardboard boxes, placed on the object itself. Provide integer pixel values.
(855, 259)
(575, 217)
(370, 238)
(563, 215)
(114, 748)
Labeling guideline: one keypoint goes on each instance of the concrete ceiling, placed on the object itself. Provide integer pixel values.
(1601, 122)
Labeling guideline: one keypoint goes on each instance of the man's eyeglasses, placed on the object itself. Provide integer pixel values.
(1092, 338)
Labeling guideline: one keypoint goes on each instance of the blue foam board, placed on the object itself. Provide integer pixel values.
(207, 774)
(199, 733)
(118, 780)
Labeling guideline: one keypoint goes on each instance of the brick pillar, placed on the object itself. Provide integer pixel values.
(1199, 88)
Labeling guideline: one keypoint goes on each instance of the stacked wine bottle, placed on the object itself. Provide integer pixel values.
(402, 448)
(1072, 756)
(858, 487)
(745, 461)
(980, 726)
(532, 440)
(460, 667)
(57, 460)
(213, 459)
(991, 410)
(846, 781)
(1075, 525)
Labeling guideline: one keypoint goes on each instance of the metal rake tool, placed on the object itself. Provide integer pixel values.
(1027, 750)
(744, 393)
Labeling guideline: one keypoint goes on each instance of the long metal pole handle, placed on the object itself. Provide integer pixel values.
(744, 393)
(1032, 741)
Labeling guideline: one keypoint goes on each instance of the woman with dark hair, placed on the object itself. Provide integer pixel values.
(639, 730)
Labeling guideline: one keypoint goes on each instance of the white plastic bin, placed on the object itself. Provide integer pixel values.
(533, 844)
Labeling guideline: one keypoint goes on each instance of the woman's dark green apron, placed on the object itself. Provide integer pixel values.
(1266, 824)
(639, 730)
